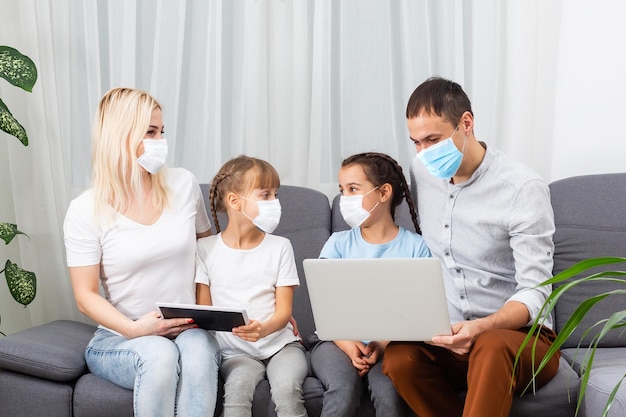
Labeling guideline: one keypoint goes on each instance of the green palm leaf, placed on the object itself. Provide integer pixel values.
(616, 321)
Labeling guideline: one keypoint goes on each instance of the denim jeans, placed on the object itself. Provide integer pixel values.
(169, 377)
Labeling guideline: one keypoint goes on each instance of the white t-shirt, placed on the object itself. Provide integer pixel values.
(248, 278)
(139, 264)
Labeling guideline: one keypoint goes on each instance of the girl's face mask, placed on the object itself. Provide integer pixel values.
(269, 214)
(351, 207)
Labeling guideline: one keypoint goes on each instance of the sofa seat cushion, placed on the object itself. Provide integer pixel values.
(555, 399)
(55, 350)
(96, 397)
(609, 367)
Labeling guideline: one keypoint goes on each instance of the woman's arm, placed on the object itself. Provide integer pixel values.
(85, 283)
(257, 330)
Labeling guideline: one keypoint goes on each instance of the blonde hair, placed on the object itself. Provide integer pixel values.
(240, 175)
(122, 119)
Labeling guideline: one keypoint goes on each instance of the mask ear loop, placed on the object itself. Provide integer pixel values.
(377, 203)
(464, 140)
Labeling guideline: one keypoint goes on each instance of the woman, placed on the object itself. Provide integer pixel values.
(134, 232)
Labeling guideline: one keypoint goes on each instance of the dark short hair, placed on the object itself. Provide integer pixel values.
(441, 97)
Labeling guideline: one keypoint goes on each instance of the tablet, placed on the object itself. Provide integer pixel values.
(221, 319)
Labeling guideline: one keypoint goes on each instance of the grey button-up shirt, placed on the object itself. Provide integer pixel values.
(493, 234)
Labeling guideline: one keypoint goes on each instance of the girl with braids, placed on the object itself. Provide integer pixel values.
(245, 266)
(372, 185)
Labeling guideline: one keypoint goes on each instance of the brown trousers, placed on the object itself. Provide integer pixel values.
(429, 378)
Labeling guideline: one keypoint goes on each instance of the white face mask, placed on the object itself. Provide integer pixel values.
(351, 207)
(154, 155)
(269, 215)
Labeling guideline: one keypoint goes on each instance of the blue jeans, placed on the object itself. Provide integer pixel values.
(169, 377)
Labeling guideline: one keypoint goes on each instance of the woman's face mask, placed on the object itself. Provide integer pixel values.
(154, 155)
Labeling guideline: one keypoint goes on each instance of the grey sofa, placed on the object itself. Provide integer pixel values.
(43, 372)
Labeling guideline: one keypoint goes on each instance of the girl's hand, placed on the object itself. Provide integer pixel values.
(152, 324)
(250, 332)
(294, 324)
(373, 352)
(357, 352)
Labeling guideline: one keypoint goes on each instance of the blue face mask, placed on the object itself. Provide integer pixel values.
(442, 159)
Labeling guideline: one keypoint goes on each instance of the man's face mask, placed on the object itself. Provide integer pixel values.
(442, 159)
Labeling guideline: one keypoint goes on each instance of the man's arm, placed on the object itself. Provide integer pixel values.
(531, 230)
(512, 315)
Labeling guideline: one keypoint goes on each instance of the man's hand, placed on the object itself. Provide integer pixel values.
(463, 336)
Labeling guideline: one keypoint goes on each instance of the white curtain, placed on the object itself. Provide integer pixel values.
(301, 83)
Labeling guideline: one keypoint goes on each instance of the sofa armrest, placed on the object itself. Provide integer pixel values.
(54, 351)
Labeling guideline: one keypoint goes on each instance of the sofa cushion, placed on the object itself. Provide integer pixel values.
(26, 396)
(555, 399)
(55, 350)
(96, 397)
(609, 367)
(590, 222)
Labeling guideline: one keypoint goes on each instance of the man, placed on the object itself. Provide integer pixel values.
(490, 221)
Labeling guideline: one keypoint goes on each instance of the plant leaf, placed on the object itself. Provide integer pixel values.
(605, 413)
(581, 267)
(17, 69)
(615, 321)
(8, 231)
(9, 124)
(22, 283)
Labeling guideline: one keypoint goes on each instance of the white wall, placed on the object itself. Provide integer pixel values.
(590, 107)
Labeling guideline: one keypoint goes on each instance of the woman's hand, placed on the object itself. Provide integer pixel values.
(152, 324)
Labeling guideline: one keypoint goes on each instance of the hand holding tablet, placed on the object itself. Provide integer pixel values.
(221, 319)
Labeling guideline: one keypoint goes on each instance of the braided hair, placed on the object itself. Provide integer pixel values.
(381, 168)
(240, 175)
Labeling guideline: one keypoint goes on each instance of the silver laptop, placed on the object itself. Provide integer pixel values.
(377, 299)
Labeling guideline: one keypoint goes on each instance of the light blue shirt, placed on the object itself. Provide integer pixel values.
(493, 234)
(350, 244)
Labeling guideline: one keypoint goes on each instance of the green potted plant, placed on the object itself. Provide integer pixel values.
(565, 281)
(19, 70)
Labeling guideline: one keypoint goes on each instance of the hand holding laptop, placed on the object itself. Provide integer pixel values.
(404, 298)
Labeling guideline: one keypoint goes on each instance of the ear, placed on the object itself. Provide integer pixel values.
(232, 201)
(386, 190)
(467, 122)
